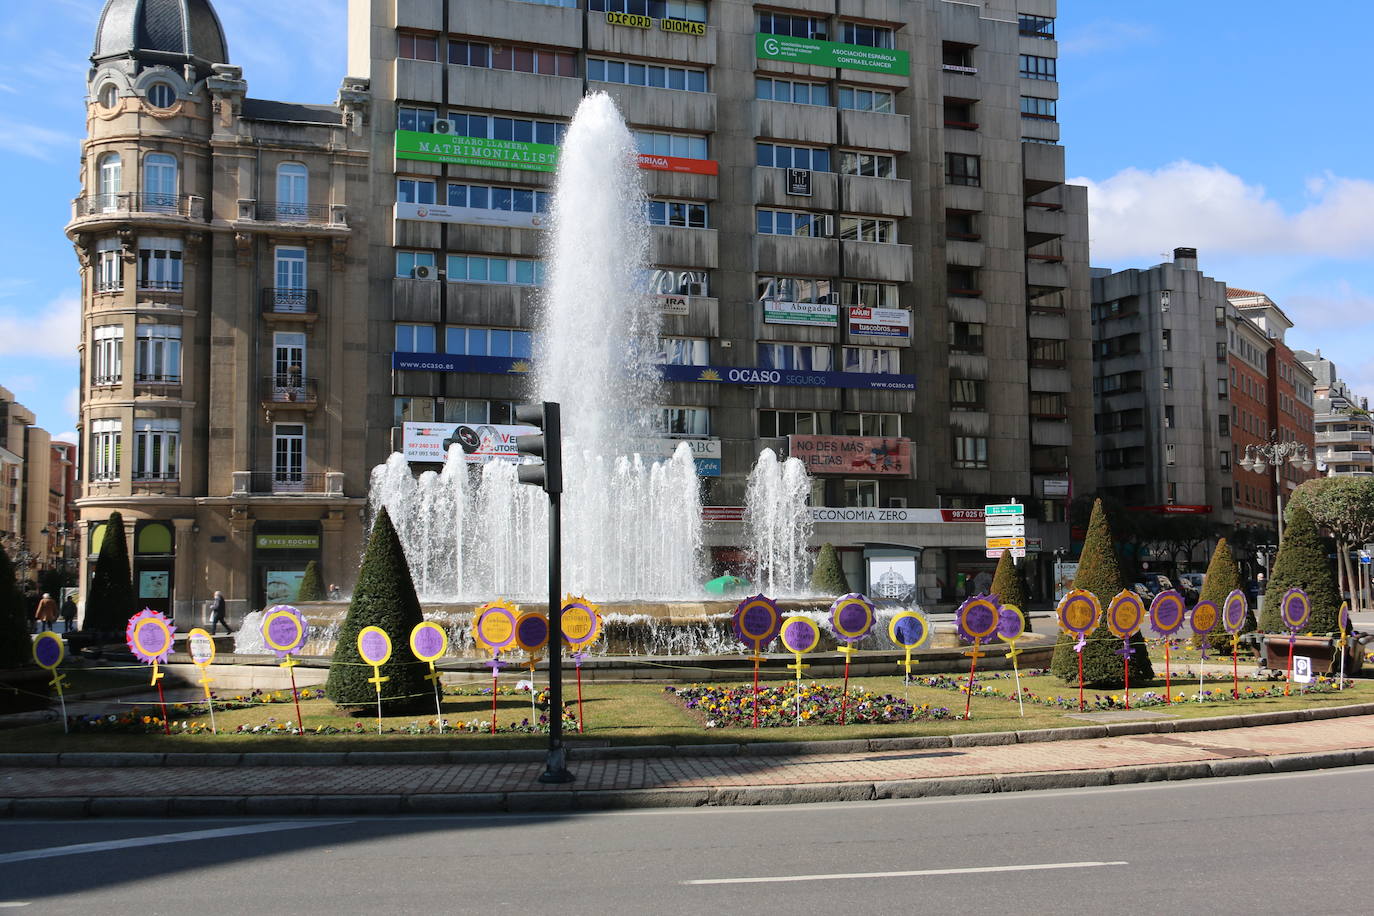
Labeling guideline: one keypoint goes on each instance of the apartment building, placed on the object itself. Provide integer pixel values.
(35, 491)
(1344, 427)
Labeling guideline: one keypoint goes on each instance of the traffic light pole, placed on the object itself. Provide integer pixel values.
(556, 763)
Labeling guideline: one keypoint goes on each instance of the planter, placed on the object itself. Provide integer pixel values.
(1323, 650)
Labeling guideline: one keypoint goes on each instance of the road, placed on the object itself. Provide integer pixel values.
(1273, 844)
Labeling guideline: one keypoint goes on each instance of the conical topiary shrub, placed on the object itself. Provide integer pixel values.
(1099, 573)
(828, 577)
(1009, 587)
(1223, 578)
(1302, 563)
(16, 646)
(384, 597)
(311, 589)
(110, 602)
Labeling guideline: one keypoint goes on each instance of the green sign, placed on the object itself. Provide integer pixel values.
(832, 54)
(288, 542)
(506, 154)
(1006, 509)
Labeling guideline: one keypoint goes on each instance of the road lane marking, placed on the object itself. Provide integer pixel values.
(160, 839)
(981, 870)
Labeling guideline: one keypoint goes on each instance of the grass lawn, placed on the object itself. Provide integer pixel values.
(639, 713)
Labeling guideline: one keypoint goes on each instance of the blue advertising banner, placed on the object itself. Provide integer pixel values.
(729, 375)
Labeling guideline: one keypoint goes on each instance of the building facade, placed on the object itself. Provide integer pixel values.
(1344, 426)
(37, 488)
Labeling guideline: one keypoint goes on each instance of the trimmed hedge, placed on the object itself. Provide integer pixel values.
(1302, 563)
(111, 600)
(1009, 586)
(828, 577)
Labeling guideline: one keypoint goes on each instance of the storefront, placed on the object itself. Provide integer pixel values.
(281, 551)
(154, 565)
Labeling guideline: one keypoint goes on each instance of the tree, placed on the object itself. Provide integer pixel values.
(1223, 578)
(1302, 564)
(384, 597)
(1100, 573)
(110, 601)
(311, 589)
(1345, 507)
(1009, 586)
(15, 641)
(828, 577)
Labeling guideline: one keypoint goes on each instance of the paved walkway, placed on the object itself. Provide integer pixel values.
(683, 778)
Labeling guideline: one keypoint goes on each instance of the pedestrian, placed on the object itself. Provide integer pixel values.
(217, 615)
(46, 612)
(68, 615)
(334, 593)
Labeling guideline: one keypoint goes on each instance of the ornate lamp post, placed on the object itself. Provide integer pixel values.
(1260, 457)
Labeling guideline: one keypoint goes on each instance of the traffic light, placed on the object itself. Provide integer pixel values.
(547, 445)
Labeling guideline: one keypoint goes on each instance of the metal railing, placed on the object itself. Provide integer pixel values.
(286, 481)
(291, 213)
(278, 300)
(186, 205)
(288, 389)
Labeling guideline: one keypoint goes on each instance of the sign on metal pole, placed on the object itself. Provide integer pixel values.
(1018, 553)
(1006, 509)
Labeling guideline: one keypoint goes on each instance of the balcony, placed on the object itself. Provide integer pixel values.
(291, 304)
(1332, 456)
(288, 483)
(289, 392)
(124, 203)
(291, 213)
(1338, 438)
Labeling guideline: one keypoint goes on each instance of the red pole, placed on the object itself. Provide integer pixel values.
(1168, 684)
(1235, 677)
(1126, 664)
(756, 686)
(844, 698)
(300, 722)
(1080, 680)
(494, 672)
(579, 700)
(162, 698)
(972, 665)
(1289, 683)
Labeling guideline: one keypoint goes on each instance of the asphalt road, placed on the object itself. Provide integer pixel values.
(1291, 843)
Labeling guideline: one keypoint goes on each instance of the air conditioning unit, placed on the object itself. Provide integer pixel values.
(692, 289)
(818, 33)
(423, 272)
(896, 502)
(830, 299)
(443, 126)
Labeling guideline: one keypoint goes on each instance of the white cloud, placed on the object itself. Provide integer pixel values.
(1104, 35)
(69, 436)
(1140, 213)
(52, 330)
(35, 141)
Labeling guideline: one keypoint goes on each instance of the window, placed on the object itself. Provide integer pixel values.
(655, 76)
(958, 57)
(411, 410)
(795, 26)
(684, 421)
(288, 363)
(856, 99)
(107, 354)
(786, 222)
(1221, 350)
(109, 266)
(1170, 454)
(1223, 390)
(289, 294)
(510, 57)
(105, 442)
(872, 360)
(870, 295)
(109, 95)
(509, 342)
(970, 452)
(860, 493)
(1037, 68)
(777, 90)
(683, 351)
(157, 444)
(409, 118)
(872, 36)
(475, 269)
(684, 214)
(872, 165)
(668, 282)
(407, 261)
(965, 337)
(415, 191)
(1048, 351)
(288, 457)
(415, 338)
(418, 47)
(161, 95)
(110, 182)
(690, 10)
(795, 289)
(868, 229)
(524, 130)
(659, 143)
(159, 182)
(157, 356)
(1048, 404)
(1227, 501)
(1225, 459)
(1034, 107)
(1223, 425)
(159, 264)
(966, 394)
(805, 357)
(959, 113)
(774, 424)
(962, 281)
(1168, 377)
(961, 224)
(1166, 339)
(962, 169)
(293, 191)
(489, 197)
(870, 424)
(777, 155)
(1036, 26)
(1168, 416)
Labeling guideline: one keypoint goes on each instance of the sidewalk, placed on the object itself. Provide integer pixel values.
(79, 785)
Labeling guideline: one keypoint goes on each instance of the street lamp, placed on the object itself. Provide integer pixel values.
(1259, 457)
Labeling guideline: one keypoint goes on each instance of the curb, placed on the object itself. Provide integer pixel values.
(610, 800)
(754, 749)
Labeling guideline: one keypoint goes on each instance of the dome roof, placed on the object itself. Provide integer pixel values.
(170, 32)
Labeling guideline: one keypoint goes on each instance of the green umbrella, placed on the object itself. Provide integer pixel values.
(723, 584)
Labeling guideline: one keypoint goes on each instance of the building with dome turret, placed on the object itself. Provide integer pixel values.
(223, 316)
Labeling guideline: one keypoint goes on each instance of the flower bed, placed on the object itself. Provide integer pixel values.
(732, 706)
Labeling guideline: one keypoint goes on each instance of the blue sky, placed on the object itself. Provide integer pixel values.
(1232, 128)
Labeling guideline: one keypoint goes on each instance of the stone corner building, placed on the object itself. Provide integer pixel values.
(223, 306)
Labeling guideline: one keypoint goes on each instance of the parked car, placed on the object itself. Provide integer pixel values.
(1190, 584)
(1151, 584)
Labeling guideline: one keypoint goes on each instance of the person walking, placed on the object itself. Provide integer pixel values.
(217, 615)
(46, 612)
(68, 614)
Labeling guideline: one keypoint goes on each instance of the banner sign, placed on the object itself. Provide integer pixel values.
(706, 453)
(852, 455)
(674, 305)
(864, 515)
(831, 54)
(730, 375)
(879, 322)
(287, 541)
(480, 441)
(634, 20)
(509, 154)
(678, 164)
(434, 213)
(821, 313)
